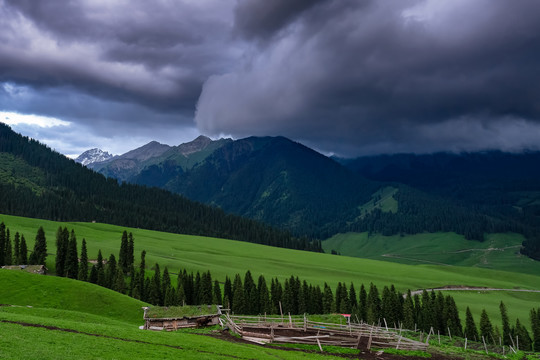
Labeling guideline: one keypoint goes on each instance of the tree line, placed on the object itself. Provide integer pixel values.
(15, 252)
(430, 311)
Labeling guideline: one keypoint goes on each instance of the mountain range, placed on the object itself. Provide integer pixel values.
(38, 182)
(286, 184)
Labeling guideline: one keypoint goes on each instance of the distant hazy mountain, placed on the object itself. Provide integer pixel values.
(124, 166)
(128, 166)
(93, 155)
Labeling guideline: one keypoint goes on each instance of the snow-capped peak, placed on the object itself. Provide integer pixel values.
(92, 156)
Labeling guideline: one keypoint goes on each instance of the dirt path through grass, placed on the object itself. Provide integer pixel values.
(469, 288)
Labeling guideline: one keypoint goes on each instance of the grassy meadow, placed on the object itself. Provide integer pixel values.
(498, 251)
(84, 321)
(227, 257)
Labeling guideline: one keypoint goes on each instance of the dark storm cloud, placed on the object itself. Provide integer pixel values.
(261, 19)
(345, 76)
(151, 53)
(390, 76)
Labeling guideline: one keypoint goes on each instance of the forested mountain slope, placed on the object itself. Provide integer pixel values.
(503, 186)
(38, 182)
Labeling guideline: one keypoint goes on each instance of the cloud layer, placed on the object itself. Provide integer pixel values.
(350, 77)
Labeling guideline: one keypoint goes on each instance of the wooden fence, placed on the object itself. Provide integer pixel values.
(263, 329)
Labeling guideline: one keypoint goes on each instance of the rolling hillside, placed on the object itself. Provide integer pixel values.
(227, 258)
(52, 318)
(498, 251)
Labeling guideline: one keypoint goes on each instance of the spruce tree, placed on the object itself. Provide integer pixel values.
(100, 268)
(155, 295)
(39, 255)
(8, 253)
(250, 295)
(227, 293)
(317, 300)
(16, 249)
(522, 337)
(264, 296)
(142, 276)
(305, 298)
(408, 312)
(471, 332)
(287, 299)
(123, 262)
(23, 252)
(189, 287)
(180, 293)
(83, 265)
(386, 306)
(486, 329)
(373, 305)
(62, 240)
(206, 288)
(427, 312)
(216, 294)
(119, 281)
(301, 301)
(72, 260)
(506, 331)
(238, 303)
(110, 271)
(343, 304)
(196, 289)
(453, 322)
(276, 295)
(535, 327)
(170, 297)
(131, 251)
(440, 314)
(362, 303)
(93, 277)
(353, 300)
(165, 284)
(328, 299)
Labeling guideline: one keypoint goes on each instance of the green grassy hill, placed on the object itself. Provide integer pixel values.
(227, 257)
(69, 319)
(498, 251)
(24, 289)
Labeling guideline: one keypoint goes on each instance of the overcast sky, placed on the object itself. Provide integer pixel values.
(345, 77)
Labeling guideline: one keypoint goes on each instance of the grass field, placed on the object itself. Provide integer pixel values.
(383, 200)
(62, 334)
(498, 251)
(226, 257)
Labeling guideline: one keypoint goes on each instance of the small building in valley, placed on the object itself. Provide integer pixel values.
(177, 317)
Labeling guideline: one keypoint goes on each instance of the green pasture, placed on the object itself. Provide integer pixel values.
(498, 251)
(99, 337)
(24, 289)
(227, 257)
(383, 200)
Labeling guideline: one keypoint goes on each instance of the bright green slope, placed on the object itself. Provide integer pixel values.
(499, 251)
(105, 337)
(24, 289)
(226, 257)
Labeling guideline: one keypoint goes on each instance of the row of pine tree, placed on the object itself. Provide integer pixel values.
(426, 312)
(16, 252)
